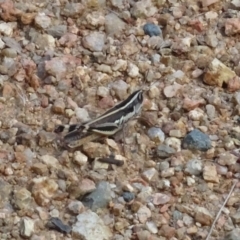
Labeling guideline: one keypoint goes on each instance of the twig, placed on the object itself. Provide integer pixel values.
(220, 211)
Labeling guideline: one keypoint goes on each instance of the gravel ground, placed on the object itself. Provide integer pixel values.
(67, 62)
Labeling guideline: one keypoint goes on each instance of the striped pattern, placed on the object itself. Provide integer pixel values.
(107, 124)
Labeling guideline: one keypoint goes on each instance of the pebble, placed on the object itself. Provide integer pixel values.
(226, 159)
(113, 24)
(210, 173)
(56, 67)
(6, 28)
(197, 140)
(160, 198)
(156, 134)
(233, 235)
(90, 226)
(58, 106)
(22, 199)
(174, 143)
(151, 226)
(75, 207)
(57, 31)
(43, 190)
(45, 41)
(99, 198)
(94, 41)
(80, 158)
(26, 227)
(50, 161)
(149, 174)
(73, 10)
(42, 20)
(132, 70)
(82, 114)
(194, 167)
(96, 150)
(96, 19)
(164, 151)
(128, 196)
(152, 30)
(143, 8)
(120, 88)
(203, 216)
(143, 214)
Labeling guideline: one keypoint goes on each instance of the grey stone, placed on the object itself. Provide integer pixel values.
(57, 31)
(197, 140)
(113, 24)
(164, 151)
(98, 198)
(233, 235)
(91, 227)
(194, 167)
(152, 30)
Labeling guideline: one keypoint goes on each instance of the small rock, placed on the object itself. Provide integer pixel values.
(160, 198)
(167, 231)
(152, 30)
(227, 159)
(172, 90)
(6, 28)
(90, 226)
(68, 40)
(94, 41)
(58, 106)
(194, 167)
(152, 227)
(113, 24)
(82, 114)
(156, 134)
(57, 224)
(50, 161)
(120, 65)
(56, 67)
(80, 158)
(210, 173)
(22, 199)
(164, 151)
(102, 91)
(26, 227)
(211, 110)
(143, 9)
(78, 190)
(45, 41)
(149, 174)
(168, 173)
(206, 3)
(143, 214)
(120, 88)
(232, 26)
(233, 235)
(43, 190)
(218, 73)
(196, 114)
(39, 168)
(96, 150)
(197, 140)
(173, 143)
(75, 207)
(57, 31)
(96, 19)
(42, 20)
(132, 70)
(203, 216)
(99, 198)
(128, 196)
(73, 10)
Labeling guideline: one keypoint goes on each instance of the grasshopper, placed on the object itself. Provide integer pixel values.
(106, 125)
